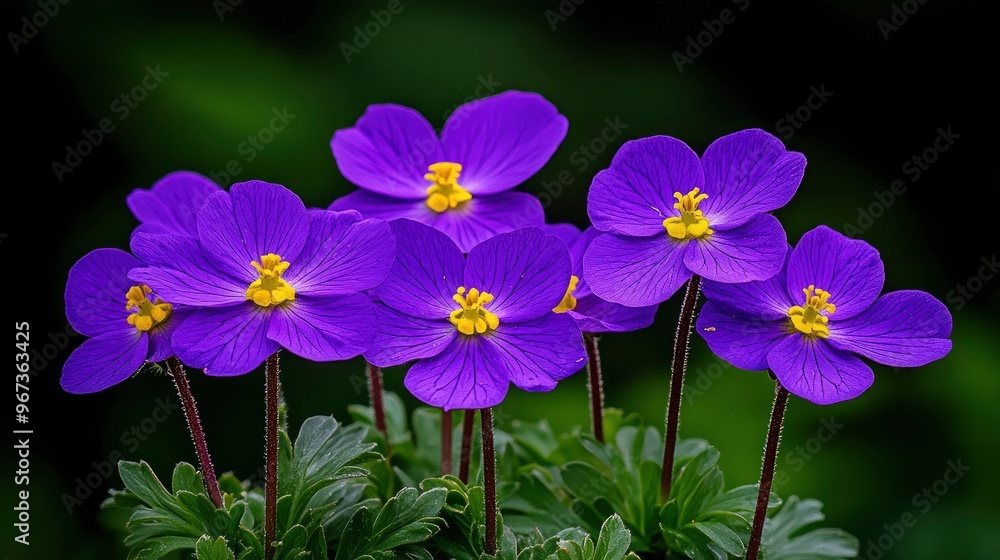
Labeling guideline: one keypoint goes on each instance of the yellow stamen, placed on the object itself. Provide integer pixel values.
(808, 319)
(473, 318)
(445, 191)
(568, 302)
(148, 313)
(692, 223)
(270, 289)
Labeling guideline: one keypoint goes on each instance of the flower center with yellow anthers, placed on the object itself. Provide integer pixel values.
(568, 302)
(445, 191)
(147, 314)
(808, 319)
(473, 318)
(692, 223)
(270, 289)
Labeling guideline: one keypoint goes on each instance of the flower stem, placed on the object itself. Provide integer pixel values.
(681, 339)
(463, 461)
(489, 480)
(767, 470)
(272, 390)
(176, 370)
(446, 442)
(375, 393)
(596, 386)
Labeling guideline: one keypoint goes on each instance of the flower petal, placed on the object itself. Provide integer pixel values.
(486, 216)
(95, 291)
(172, 204)
(380, 206)
(526, 271)
(225, 341)
(817, 372)
(502, 140)
(103, 361)
(763, 299)
(342, 255)
(748, 173)
(595, 315)
(753, 251)
(388, 151)
(539, 352)
(567, 232)
(159, 338)
(849, 269)
(635, 271)
(402, 337)
(741, 341)
(904, 329)
(427, 270)
(468, 374)
(182, 273)
(325, 329)
(635, 194)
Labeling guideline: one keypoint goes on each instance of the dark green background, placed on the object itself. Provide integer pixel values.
(606, 60)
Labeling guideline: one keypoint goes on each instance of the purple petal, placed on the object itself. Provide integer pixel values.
(502, 140)
(172, 204)
(402, 338)
(753, 251)
(103, 361)
(764, 299)
(159, 338)
(850, 270)
(741, 341)
(427, 271)
(539, 352)
(526, 271)
(486, 216)
(817, 372)
(635, 271)
(468, 374)
(95, 291)
(342, 255)
(748, 173)
(388, 151)
(382, 207)
(567, 232)
(183, 273)
(635, 194)
(904, 329)
(595, 315)
(325, 329)
(225, 341)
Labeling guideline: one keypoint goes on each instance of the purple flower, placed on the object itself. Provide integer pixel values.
(593, 314)
(668, 215)
(267, 274)
(476, 324)
(127, 322)
(458, 183)
(807, 323)
(172, 204)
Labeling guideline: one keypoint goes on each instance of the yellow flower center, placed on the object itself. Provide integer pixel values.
(692, 223)
(147, 314)
(568, 302)
(808, 319)
(473, 318)
(445, 192)
(270, 289)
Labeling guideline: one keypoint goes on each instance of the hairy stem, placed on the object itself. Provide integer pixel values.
(176, 370)
(272, 398)
(489, 480)
(596, 386)
(463, 462)
(378, 406)
(767, 469)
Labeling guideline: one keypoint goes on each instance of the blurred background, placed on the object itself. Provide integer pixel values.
(876, 94)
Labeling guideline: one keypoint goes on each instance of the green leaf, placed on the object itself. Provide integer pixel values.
(208, 549)
(186, 478)
(721, 535)
(613, 541)
(408, 518)
(780, 542)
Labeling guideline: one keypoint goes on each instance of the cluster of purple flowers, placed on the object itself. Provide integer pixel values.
(435, 261)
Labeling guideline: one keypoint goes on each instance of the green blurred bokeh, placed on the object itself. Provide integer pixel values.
(224, 76)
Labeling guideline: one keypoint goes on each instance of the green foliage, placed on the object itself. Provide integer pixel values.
(783, 539)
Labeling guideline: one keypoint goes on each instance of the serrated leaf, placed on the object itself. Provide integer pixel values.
(613, 541)
(780, 542)
(722, 536)
(186, 479)
(208, 549)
